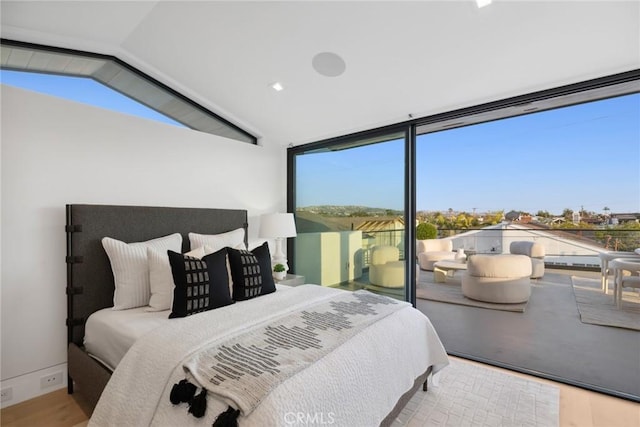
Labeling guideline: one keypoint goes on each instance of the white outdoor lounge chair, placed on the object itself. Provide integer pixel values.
(605, 258)
(619, 266)
(431, 251)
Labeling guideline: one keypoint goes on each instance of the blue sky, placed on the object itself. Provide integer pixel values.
(585, 156)
(84, 90)
(581, 156)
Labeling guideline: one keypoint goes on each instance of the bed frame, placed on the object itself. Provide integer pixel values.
(90, 284)
(90, 280)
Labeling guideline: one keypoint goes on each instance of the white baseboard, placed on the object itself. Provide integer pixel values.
(28, 386)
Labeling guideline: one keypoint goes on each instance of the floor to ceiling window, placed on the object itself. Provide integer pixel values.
(559, 167)
(350, 214)
(567, 180)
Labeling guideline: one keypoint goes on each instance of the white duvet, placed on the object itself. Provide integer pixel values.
(357, 384)
(109, 333)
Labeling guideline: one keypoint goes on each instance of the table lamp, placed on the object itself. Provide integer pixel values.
(278, 226)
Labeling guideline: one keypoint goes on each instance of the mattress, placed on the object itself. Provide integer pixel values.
(110, 333)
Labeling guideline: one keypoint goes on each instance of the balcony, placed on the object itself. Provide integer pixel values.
(549, 338)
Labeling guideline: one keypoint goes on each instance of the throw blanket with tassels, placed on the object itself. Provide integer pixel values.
(245, 369)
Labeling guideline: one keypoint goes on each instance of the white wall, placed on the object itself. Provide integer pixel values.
(56, 152)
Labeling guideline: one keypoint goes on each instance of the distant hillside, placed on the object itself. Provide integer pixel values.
(351, 210)
(310, 222)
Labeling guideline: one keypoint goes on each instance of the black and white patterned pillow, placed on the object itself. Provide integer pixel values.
(200, 284)
(251, 272)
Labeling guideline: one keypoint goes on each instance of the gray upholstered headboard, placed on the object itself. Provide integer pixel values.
(89, 278)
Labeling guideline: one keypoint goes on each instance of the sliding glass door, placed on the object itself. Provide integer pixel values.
(563, 179)
(558, 168)
(349, 202)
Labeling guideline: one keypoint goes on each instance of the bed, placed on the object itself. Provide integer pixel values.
(365, 380)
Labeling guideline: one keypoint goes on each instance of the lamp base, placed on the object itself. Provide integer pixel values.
(278, 257)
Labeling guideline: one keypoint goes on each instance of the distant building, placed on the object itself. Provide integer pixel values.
(575, 217)
(517, 216)
(621, 218)
(387, 232)
(382, 225)
(593, 220)
(512, 216)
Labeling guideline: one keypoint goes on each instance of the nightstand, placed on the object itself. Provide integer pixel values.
(291, 280)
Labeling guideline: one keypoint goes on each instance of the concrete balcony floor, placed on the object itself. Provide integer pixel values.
(547, 340)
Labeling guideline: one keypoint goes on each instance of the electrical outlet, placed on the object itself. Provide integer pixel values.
(51, 380)
(6, 394)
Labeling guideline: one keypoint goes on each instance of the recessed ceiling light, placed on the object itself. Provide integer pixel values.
(328, 64)
(277, 86)
(483, 3)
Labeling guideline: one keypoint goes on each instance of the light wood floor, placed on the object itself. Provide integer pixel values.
(578, 408)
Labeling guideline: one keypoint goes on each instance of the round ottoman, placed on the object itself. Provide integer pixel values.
(498, 278)
(388, 275)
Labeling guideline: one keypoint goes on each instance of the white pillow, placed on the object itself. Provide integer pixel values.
(254, 243)
(161, 278)
(233, 239)
(198, 252)
(131, 269)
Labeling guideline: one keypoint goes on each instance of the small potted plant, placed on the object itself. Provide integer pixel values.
(279, 272)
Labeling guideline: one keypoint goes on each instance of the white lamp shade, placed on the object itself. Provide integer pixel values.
(277, 225)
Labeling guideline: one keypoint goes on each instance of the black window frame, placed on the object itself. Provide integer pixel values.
(572, 94)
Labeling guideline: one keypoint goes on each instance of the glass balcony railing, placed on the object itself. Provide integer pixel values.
(570, 247)
(567, 247)
(335, 257)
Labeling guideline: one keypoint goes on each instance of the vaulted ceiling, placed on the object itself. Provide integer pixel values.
(418, 57)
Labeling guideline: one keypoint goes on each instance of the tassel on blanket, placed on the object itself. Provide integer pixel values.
(228, 418)
(182, 392)
(198, 405)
